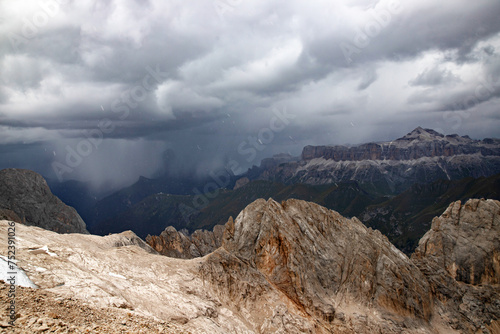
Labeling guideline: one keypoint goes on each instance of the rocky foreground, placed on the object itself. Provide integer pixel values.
(41, 311)
(291, 267)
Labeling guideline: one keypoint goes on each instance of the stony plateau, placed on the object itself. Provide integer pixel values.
(290, 267)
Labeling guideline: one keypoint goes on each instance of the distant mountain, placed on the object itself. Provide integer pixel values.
(421, 156)
(115, 205)
(26, 198)
(341, 178)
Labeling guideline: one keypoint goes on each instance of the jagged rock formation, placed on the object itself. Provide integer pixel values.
(179, 245)
(321, 261)
(460, 256)
(25, 197)
(293, 267)
(422, 156)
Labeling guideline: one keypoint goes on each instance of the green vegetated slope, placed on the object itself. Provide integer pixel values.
(154, 213)
(405, 218)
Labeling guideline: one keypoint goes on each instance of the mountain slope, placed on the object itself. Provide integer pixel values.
(460, 257)
(154, 213)
(77, 195)
(26, 198)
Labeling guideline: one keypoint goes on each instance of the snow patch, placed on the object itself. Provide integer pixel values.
(42, 250)
(10, 269)
(116, 275)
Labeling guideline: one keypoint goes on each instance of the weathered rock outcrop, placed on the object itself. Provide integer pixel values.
(421, 156)
(179, 245)
(460, 257)
(25, 194)
(324, 263)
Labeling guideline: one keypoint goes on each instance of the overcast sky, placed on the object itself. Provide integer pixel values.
(183, 84)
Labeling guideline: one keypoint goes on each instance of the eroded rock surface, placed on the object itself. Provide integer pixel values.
(460, 257)
(316, 256)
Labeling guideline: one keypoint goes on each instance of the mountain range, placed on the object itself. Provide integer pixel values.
(290, 267)
(396, 187)
(421, 156)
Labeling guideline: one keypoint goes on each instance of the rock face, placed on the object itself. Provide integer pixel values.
(460, 256)
(25, 194)
(422, 156)
(322, 262)
(179, 245)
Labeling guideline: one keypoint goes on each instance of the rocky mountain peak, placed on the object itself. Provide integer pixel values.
(422, 134)
(421, 156)
(318, 258)
(26, 197)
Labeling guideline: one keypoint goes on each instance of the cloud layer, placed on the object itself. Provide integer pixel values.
(200, 77)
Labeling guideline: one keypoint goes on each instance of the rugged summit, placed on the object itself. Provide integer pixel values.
(460, 257)
(323, 261)
(25, 197)
(421, 156)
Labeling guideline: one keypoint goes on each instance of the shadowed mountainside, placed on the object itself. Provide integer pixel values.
(25, 197)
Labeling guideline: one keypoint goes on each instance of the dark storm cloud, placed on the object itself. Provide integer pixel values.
(201, 80)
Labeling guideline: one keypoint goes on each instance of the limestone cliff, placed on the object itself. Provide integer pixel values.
(323, 263)
(421, 156)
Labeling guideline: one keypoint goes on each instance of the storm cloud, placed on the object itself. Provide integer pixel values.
(122, 82)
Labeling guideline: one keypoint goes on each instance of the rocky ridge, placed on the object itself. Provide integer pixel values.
(291, 267)
(26, 198)
(421, 156)
(322, 262)
(183, 246)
